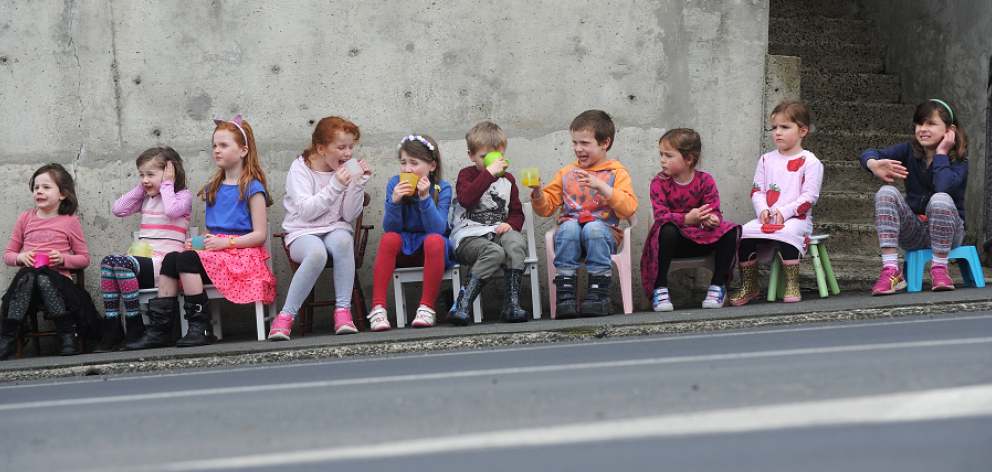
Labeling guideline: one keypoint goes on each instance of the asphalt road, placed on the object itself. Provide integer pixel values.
(905, 394)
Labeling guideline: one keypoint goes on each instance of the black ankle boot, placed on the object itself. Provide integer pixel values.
(461, 311)
(10, 330)
(597, 301)
(135, 328)
(512, 312)
(113, 334)
(66, 330)
(566, 303)
(162, 314)
(199, 332)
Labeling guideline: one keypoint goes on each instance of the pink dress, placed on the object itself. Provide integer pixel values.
(790, 185)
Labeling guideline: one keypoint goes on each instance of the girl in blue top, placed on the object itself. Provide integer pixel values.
(934, 167)
(234, 257)
(416, 225)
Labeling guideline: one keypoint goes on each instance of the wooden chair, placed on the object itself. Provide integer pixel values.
(357, 295)
(36, 311)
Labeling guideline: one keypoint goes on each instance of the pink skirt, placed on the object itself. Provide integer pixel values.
(240, 274)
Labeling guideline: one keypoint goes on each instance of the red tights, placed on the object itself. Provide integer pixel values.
(390, 256)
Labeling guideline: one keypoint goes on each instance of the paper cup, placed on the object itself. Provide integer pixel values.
(530, 177)
(199, 243)
(41, 260)
(354, 168)
(412, 178)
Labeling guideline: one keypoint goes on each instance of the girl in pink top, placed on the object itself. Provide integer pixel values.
(165, 205)
(46, 242)
(786, 186)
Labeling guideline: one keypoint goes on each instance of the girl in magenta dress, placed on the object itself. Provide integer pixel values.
(786, 186)
(687, 222)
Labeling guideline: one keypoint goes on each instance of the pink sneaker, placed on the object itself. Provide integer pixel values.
(281, 327)
(941, 282)
(343, 323)
(889, 281)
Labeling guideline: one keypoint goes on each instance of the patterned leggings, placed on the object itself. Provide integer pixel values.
(898, 226)
(118, 280)
(21, 300)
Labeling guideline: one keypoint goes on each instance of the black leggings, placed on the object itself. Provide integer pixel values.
(749, 249)
(24, 291)
(672, 244)
(186, 262)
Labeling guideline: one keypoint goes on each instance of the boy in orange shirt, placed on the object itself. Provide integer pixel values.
(594, 194)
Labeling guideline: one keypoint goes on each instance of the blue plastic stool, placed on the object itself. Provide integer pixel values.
(967, 257)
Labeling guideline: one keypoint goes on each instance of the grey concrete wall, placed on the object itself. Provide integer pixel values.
(92, 84)
(941, 50)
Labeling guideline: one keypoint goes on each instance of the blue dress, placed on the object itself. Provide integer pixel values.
(414, 222)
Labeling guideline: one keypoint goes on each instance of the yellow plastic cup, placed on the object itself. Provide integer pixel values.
(530, 176)
(413, 179)
(140, 249)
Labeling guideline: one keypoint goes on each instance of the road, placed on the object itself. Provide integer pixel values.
(902, 394)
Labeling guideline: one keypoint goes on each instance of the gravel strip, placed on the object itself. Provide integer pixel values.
(221, 359)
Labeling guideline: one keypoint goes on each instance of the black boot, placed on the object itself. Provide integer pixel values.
(597, 301)
(135, 328)
(162, 314)
(113, 334)
(199, 332)
(66, 330)
(461, 311)
(512, 313)
(10, 330)
(566, 303)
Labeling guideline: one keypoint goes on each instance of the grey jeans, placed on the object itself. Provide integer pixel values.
(487, 253)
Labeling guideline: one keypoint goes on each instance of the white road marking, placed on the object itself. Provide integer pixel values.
(76, 402)
(487, 350)
(942, 404)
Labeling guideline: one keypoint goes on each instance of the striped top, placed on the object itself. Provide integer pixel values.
(164, 218)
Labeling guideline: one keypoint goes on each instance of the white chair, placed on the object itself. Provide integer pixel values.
(621, 259)
(530, 267)
(402, 275)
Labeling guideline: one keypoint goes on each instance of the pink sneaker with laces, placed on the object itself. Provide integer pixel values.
(343, 323)
(282, 326)
(941, 282)
(889, 281)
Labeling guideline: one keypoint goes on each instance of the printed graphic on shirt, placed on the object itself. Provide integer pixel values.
(585, 199)
(491, 210)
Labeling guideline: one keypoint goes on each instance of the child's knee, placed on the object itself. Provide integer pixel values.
(887, 194)
(595, 231)
(941, 203)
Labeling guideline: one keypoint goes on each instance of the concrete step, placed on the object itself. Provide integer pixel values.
(848, 176)
(848, 239)
(847, 146)
(845, 207)
(860, 117)
(870, 88)
(850, 9)
(820, 30)
(834, 57)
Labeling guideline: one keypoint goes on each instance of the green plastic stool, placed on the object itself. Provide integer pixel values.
(821, 265)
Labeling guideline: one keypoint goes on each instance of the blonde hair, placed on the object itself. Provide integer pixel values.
(485, 135)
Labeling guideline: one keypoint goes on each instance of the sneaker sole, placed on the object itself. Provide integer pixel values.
(899, 286)
(346, 330)
(659, 309)
(942, 288)
(278, 337)
(713, 305)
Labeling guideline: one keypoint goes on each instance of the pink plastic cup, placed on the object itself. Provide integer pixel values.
(41, 260)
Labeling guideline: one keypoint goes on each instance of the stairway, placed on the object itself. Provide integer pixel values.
(855, 106)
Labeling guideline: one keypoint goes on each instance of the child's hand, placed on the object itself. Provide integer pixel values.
(711, 221)
(55, 258)
(216, 243)
(342, 175)
(697, 215)
(401, 190)
(947, 143)
(764, 217)
(26, 259)
(170, 172)
(586, 179)
(189, 244)
(497, 166)
(503, 228)
(423, 188)
(888, 169)
(777, 217)
(366, 169)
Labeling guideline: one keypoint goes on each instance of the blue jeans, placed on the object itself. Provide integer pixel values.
(595, 240)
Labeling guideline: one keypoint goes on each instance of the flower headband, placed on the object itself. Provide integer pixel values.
(422, 140)
(236, 122)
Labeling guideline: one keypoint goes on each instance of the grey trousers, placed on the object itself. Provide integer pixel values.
(486, 254)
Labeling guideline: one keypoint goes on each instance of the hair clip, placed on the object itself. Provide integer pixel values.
(237, 122)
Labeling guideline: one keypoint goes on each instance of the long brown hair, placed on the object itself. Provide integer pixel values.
(67, 187)
(949, 115)
(418, 150)
(324, 133)
(251, 170)
(161, 156)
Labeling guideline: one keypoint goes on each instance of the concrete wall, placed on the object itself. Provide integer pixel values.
(941, 50)
(92, 84)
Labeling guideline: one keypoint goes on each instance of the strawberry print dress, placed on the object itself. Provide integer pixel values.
(791, 185)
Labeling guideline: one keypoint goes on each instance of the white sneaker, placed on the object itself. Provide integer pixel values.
(378, 319)
(424, 319)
